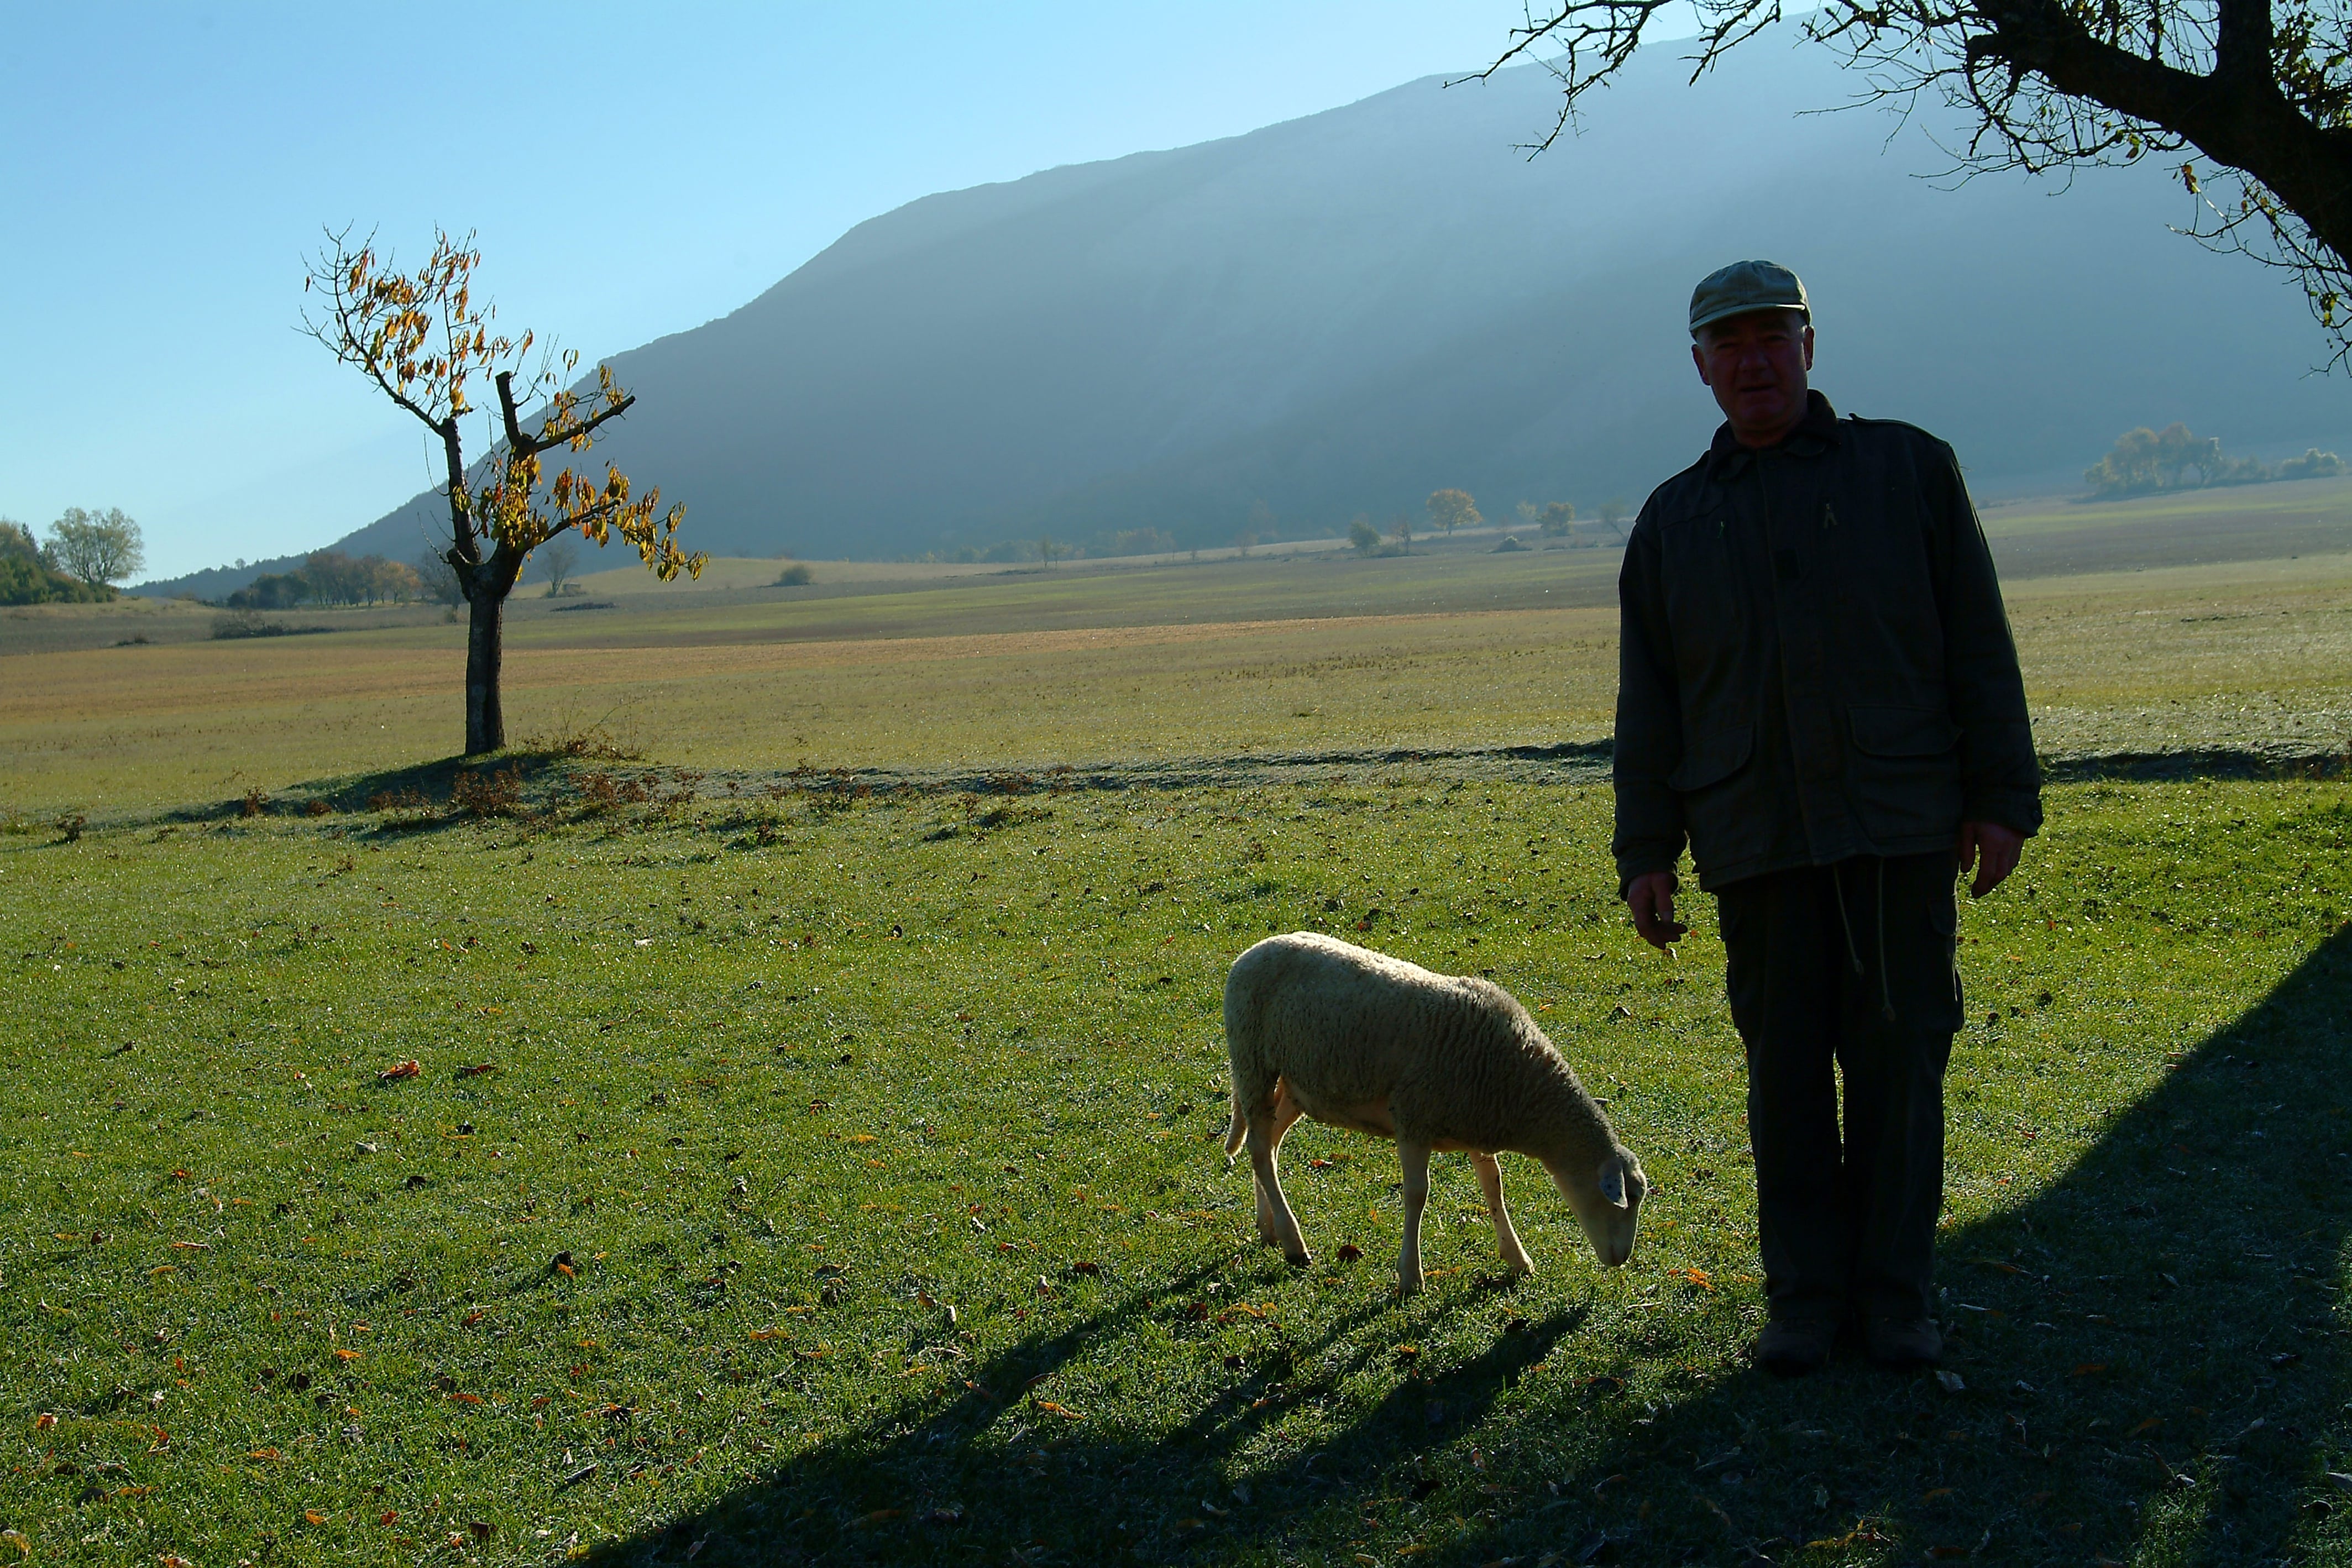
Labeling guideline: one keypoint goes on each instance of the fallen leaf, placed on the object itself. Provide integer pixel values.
(265, 1454)
(398, 1071)
(467, 1398)
(477, 1070)
(2150, 1424)
(1086, 1267)
(1050, 1408)
(1935, 1492)
(474, 1317)
(1349, 1252)
(2086, 1369)
(44, 1421)
(314, 1516)
(348, 1354)
(386, 1517)
(1696, 1277)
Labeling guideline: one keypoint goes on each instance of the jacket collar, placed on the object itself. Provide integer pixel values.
(1815, 433)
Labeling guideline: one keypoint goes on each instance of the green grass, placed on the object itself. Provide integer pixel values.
(784, 1083)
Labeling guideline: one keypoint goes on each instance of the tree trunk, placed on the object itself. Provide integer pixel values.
(486, 723)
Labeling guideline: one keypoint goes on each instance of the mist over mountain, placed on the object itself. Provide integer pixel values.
(1341, 313)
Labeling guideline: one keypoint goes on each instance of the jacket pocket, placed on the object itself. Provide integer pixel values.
(1904, 778)
(1903, 731)
(1712, 758)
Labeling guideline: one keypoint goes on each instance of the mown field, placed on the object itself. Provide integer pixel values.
(808, 1166)
(1032, 672)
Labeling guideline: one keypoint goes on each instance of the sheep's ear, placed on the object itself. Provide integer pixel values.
(1612, 1181)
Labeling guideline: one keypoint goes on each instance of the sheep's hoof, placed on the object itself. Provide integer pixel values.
(1299, 1259)
(1408, 1287)
(1521, 1265)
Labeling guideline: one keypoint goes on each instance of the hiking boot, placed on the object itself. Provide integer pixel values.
(1791, 1347)
(1903, 1344)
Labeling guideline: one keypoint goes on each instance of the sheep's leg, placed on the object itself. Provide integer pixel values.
(1276, 1223)
(1490, 1182)
(1415, 1159)
(1285, 1112)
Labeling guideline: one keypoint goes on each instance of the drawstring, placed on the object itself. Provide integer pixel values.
(1837, 886)
(1852, 953)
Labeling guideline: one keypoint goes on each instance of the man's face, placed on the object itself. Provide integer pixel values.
(1756, 365)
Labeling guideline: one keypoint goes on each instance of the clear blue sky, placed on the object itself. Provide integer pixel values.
(631, 171)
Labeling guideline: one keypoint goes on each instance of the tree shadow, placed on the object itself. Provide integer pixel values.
(2149, 1354)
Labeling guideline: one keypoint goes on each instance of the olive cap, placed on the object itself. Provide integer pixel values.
(1746, 285)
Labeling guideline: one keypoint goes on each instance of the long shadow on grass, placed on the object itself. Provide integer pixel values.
(2150, 1349)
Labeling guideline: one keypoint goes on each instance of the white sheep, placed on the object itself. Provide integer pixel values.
(1320, 1028)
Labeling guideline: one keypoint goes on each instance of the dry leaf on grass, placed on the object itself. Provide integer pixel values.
(398, 1071)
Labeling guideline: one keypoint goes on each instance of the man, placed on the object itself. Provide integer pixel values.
(1818, 691)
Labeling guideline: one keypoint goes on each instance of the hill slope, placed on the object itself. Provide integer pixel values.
(1344, 313)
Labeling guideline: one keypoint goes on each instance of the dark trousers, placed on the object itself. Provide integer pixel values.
(1852, 965)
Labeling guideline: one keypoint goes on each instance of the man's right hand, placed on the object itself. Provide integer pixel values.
(1652, 899)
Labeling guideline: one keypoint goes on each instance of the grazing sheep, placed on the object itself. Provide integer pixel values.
(1356, 1039)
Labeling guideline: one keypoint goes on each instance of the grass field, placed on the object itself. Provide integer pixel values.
(793, 1172)
(855, 1194)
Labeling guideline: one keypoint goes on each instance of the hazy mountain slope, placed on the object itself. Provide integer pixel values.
(1341, 313)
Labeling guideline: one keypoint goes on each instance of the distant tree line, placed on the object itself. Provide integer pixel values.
(1449, 509)
(2145, 462)
(85, 555)
(331, 576)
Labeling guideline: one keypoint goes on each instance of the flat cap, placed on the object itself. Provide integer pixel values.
(1746, 285)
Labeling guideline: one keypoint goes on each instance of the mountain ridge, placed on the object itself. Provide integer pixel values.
(1340, 312)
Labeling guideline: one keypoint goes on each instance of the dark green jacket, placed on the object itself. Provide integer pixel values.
(1815, 662)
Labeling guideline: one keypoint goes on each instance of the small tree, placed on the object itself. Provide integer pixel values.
(1403, 529)
(1559, 519)
(1050, 548)
(1363, 535)
(561, 555)
(1614, 511)
(99, 548)
(423, 342)
(1451, 510)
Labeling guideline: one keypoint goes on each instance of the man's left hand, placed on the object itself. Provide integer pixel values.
(1992, 849)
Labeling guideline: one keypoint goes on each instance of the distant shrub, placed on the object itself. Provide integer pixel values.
(1510, 542)
(245, 623)
(2313, 464)
(316, 807)
(797, 575)
(1365, 537)
(254, 803)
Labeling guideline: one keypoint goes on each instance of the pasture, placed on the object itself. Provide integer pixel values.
(813, 1147)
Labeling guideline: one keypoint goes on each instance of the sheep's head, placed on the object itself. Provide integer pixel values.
(1607, 1201)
